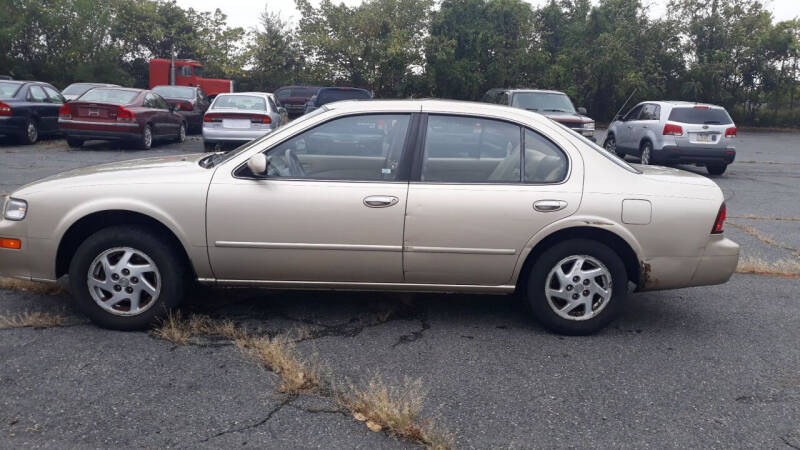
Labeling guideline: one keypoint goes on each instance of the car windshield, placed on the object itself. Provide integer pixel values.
(700, 115)
(303, 92)
(8, 90)
(245, 102)
(77, 88)
(335, 95)
(219, 158)
(114, 96)
(543, 102)
(175, 91)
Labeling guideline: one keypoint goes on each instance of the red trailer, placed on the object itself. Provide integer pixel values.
(187, 73)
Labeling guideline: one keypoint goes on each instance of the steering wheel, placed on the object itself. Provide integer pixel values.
(294, 164)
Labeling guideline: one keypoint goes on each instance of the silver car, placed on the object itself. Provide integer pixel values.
(411, 195)
(242, 117)
(674, 133)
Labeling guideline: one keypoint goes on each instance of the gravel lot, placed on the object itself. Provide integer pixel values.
(713, 367)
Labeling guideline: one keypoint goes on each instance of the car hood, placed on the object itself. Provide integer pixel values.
(161, 170)
(565, 117)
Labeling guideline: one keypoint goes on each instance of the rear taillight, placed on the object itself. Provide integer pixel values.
(718, 224)
(672, 130)
(730, 132)
(260, 119)
(64, 112)
(125, 115)
(211, 118)
(186, 106)
(5, 110)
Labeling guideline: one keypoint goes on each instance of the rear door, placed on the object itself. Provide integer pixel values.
(471, 210)
(703, 126)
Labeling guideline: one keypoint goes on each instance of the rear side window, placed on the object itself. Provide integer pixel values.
(115, 96)
(8, 90)
(694, 115)
(53, 95)
(335, 95)
(650, 112)
(245, 102)
(544, 161)
(36, 94)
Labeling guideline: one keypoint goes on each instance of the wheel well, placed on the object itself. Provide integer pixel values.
(641, 144)
(85, 227)
(616, 243)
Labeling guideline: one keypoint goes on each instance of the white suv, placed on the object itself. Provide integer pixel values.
(674, 133)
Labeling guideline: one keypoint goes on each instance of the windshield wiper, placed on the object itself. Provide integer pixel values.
(711, 122)
(556, 110)
(531, 109)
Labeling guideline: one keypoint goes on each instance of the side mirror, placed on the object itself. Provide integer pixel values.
(582, 111)
(258, 164)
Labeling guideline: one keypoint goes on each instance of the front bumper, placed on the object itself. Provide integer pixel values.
(14, 263)
(223, 135)
(674, 154)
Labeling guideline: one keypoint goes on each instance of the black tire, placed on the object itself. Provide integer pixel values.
(210, 146)
(716, 169)
(144, 143)
(29, 134)
(74, 142)
(646, 155)
(171, 267)
(611, 141)
(607, 310)
(181, 133)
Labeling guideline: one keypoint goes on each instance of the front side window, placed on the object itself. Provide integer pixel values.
(634, 114)
(354, 148)
(470, 150)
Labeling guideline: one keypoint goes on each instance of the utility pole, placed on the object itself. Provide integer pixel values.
(172, 66)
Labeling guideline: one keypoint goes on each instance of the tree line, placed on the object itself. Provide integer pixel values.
(728, 52)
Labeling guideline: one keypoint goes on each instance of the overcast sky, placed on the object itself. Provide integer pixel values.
(244, 13)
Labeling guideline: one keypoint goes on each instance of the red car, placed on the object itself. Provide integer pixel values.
(120, 114)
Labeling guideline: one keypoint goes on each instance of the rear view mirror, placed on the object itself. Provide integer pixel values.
(582, 111)
(258, 164)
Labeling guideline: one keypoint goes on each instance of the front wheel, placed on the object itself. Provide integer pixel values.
(610, 144)
(146, 140)
(74, 143)
(577, 287)
(125, 278)
(716, 169)
(182, 133)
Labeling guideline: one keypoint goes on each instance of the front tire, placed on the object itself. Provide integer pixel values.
(716, 169)
(74, 143)
(126, 278)
(577, 287)
(610, 145)
(182, 133)
(146, 140)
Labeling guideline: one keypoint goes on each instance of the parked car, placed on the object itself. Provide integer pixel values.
(519, 203)
(554, 105)
(242, 117)
(294, 98)
(327, 95)
(5, 77)
(28, 110)
(75, 90)
(674, 133)
(190, 102)
(120, 114)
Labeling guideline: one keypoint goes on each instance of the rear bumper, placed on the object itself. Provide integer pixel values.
(105, 131)
(714, 265)
(12, 124)
(674, 154)
(222, 135)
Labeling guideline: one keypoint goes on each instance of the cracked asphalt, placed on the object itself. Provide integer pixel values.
(711, 367)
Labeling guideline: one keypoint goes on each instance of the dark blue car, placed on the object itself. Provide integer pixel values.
(335, 94)
(28, 109)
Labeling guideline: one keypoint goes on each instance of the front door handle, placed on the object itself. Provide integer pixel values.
(380, 201)
(549, 205)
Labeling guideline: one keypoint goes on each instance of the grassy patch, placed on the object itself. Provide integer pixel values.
(752, 231)
(788, 268)
(278, 354)
(31, 320)
(29, 286)
(756, 217)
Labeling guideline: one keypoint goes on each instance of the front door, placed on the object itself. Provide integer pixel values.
(472, 210)
(626, 131)
(330, 209)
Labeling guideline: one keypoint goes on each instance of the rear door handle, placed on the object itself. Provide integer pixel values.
(549, 205)
(380, 201)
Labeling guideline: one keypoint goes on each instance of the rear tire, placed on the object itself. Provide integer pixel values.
(74, 143)
(646, 154)
(716, 169)
(600, 284)
(167, 279)
(145, 142)
(30, 134)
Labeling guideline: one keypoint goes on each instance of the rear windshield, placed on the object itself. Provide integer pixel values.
(334, 95)
(175, 91)
(77, 88)
(115, 96)
(8, 90)
(709, 116)
(246, 102)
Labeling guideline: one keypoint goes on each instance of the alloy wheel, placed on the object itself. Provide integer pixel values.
(611, 146)
(148, 137)
(578, 287)
(182, 133)
(32, 132)
(124, 281)
(646, 154)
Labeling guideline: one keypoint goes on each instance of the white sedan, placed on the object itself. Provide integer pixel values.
(384, 195)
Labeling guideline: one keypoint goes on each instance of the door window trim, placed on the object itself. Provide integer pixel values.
(419, 154)
(403, 167)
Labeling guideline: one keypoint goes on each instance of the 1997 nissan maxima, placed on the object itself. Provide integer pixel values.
(382, 195)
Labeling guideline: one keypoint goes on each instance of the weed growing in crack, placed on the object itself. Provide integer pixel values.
(31, 320)
(29, 286)
(278, 354)
(752, 231)
(178, 331)
(789, 268)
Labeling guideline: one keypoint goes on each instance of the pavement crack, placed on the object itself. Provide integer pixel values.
(786, 440)
(417, 334)
(286, 401)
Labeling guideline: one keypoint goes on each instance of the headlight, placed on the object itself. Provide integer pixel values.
(589, 125)
(15, 209)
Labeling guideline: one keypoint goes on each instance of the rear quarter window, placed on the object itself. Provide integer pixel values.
(711, 116)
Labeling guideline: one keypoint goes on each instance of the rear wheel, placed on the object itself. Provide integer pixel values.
(577, 287)
(125, 278)
(182, 133)
(146, 140)
(30, 134)
(717, 168)
(646, 155)
(74, 143)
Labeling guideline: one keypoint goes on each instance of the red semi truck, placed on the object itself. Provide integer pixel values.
(187, 73)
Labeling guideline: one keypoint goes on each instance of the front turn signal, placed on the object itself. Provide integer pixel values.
(13, 244)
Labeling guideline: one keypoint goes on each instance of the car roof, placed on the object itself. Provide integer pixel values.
(234, 94)
(541, 91)
(342, 88)
(681, 103)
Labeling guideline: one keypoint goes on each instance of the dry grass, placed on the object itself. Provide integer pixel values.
(752, 231)
(788, 268)
(31, 320)
(278, 354)
(175, 329)
(756, 217)
(29, 286)
(396, 409)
